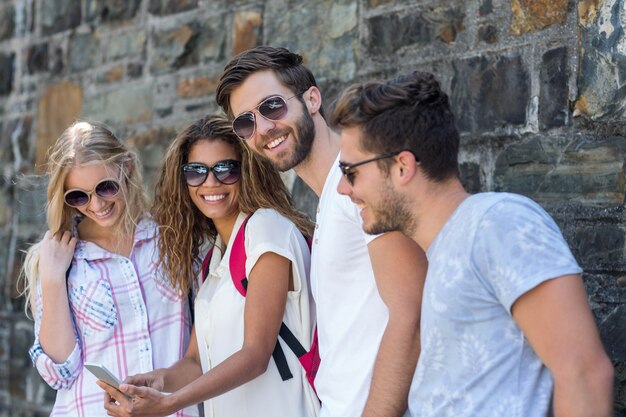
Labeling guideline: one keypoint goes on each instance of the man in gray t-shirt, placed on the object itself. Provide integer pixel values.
(506, 329)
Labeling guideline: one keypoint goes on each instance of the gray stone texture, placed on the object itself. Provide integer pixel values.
(84, 51)
(490, 92)
(164, 7)
(538, 88)
(6, 73)
(111, 10)
(59, 15)
(7, 21)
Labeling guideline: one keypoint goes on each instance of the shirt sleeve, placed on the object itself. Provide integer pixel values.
(57, 375)
(519, 246)
(268, 231)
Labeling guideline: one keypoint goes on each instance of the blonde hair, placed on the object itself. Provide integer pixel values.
(183, 228)
(80, 144)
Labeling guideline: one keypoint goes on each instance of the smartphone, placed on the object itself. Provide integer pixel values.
(104, 375)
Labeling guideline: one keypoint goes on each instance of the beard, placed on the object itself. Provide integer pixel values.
(392, 214)
(303, 134)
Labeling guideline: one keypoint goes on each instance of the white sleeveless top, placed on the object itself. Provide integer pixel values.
(219, 323)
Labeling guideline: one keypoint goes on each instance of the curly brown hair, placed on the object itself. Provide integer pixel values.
(183, 227)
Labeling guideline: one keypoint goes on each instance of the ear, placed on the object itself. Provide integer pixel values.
(406, 168)
(313, 99)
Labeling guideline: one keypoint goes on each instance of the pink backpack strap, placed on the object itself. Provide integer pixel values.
(205, 264)
(237, 263)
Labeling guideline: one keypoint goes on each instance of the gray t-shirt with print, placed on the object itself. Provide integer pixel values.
(475, 361)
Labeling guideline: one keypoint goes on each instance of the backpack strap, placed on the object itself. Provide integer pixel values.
(205, 264)
(237, 266)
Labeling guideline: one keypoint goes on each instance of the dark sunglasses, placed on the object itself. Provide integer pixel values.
(348, 169)
(272, 108)
(107, 188)
(227, 172)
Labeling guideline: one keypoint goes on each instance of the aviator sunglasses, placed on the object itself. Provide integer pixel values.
(227, 172)
(348, 169)
(107, 188)
(272, 108)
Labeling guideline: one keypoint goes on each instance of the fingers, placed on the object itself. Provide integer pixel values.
(116, 396)
(133, 390)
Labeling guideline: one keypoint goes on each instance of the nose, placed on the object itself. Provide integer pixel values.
(344, 188)
(210, 180)
(97, 203)
(263, 125)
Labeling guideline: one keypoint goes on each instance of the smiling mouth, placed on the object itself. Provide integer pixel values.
(271, 145)
(214, 197)
(104, 212)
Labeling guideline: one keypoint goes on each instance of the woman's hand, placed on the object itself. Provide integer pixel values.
(143, 402)
(55, 255)
(153, 379)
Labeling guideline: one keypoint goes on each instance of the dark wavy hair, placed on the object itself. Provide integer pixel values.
(183, 227)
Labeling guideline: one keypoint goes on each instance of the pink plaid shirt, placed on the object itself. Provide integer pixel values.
(126, 317)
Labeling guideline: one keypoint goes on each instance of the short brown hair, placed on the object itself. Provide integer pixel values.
(285, 64)
(409, 112)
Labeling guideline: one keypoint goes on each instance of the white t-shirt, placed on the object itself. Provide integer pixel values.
(475, 361)
(219, 309)
(351, 316)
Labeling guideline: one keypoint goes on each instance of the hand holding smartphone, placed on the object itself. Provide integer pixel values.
(104, 375)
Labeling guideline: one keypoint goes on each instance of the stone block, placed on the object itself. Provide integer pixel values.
(599, 246)
(7, 21)
(56, 61)
(134, 70)
(213, 34)
(163, 7)
(84, 50)
(6, 73)
(15, 137)
(111, 10)
(196, 87)
(485, 8)
(151, 146)
(534, 15)
(112, 75)
(53, 119)
(376, 3)
(613, 332)
(127, 105)
(171, 47)
(247, 27)
(57, 16)
(470, 177)
(602, 72)
(554, 91)
(390, 32)
(37, 58)
(490, 92)
(329, 42)
(557, 170)
(126, 44)
(488, 33)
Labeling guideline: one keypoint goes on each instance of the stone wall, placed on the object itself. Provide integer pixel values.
(538, 86)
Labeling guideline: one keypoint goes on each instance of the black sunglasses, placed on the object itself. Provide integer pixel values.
(107, 188)
(272, 108)
(227, 172)
(348, 169)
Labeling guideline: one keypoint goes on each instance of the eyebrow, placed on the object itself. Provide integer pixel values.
(259, 103)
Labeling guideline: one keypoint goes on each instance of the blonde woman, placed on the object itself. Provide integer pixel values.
(93, 283)
(209, 186)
